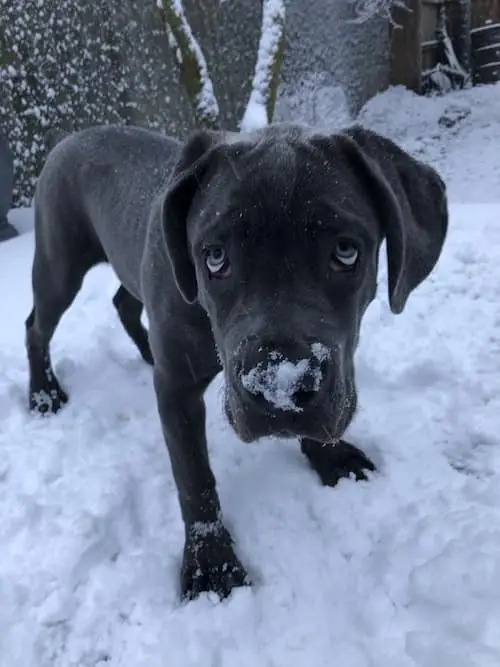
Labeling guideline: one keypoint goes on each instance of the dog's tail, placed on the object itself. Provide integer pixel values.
(53, 137)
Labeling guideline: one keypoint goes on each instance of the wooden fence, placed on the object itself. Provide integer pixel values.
(418, 44)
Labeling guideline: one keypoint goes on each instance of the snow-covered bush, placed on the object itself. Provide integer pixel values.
(54, 56)
(72, 64)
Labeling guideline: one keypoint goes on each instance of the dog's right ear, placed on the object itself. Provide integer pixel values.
(412, 206)
(185, 182)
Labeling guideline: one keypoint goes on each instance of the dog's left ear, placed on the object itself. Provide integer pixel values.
(410, 198)
(186, 180)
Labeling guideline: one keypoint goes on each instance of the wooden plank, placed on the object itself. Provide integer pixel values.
(428, 22)
(488, 73)
(485, 10)
(487, 55)
(432, 54)
(406, 47)
(485, 36)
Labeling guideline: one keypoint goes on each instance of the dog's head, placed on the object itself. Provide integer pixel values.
(277, 235)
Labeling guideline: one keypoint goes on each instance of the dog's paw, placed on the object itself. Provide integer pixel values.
(333, 462)
(210, 564)
(48, 400)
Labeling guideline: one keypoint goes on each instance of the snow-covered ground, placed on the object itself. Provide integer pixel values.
(399, 571)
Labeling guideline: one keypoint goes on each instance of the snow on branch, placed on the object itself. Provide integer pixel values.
(260, 107)
(192, 64)
(369, 9)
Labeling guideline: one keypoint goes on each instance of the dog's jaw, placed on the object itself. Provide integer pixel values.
(328, 427)
(235, 417)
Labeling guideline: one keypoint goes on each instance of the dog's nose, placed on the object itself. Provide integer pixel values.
(284, 376)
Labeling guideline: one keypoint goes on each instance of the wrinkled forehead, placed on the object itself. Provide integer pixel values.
(282, 187)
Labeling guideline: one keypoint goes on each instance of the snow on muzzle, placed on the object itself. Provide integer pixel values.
(285, 378)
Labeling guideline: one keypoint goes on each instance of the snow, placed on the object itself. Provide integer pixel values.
(21, 219)
(277, 379)
(273, 21)
(255, 115)
(398, 571)
(455, 133)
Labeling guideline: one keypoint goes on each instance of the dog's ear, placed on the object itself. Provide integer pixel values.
(185, 181)
(410, 199)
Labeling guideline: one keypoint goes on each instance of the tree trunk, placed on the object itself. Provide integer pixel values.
(260, 107)
(183, 33)
(192, 65)
(228, 33)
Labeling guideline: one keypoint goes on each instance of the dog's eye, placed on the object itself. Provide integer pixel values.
(345, 254)
(217, 261)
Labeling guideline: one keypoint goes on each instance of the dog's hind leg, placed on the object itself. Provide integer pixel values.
(45, 392)
(56, 283)
(129, 311)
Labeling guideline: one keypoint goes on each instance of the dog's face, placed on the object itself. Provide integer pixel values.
(277, 235)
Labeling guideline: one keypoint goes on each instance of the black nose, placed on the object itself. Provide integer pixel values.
(283, 375)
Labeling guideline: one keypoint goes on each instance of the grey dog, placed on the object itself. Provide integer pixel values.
(251, 253)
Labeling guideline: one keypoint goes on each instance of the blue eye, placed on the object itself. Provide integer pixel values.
(217, 261)
(345, 253)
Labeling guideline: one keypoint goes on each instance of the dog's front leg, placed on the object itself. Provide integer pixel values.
(209, 562)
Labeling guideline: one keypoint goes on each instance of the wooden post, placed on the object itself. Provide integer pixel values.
(460, 13)
(406, 46)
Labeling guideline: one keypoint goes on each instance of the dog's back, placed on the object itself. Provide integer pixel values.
(94, 195)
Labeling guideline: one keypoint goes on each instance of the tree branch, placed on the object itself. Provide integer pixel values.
(366, 10)
(262, 101)
(192, 64)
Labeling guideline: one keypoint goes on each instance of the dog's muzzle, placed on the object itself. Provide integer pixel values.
(284, 377)
(285, 389)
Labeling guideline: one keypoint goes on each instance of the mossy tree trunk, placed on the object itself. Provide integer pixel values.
(192, 65)
(262, 84)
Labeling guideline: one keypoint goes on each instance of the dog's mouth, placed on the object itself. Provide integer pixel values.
(325, 422)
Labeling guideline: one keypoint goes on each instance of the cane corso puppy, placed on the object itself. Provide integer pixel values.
(255, 254)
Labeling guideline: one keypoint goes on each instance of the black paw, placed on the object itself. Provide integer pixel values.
(210, 564)
(48, 399)
(333, 462)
